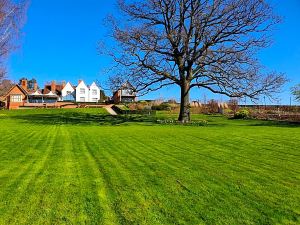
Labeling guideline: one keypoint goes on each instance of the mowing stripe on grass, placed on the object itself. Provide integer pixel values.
(63, 167)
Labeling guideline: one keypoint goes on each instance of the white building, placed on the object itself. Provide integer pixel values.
(94, 93)
(68, 93)
(83, 93)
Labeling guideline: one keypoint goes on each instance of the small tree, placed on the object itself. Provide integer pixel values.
(296, 92)
(11, 19)
(194, 43)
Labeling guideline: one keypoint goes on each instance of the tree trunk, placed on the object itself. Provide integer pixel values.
(185, 115)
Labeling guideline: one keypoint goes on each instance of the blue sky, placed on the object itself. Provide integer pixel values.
(59, 42)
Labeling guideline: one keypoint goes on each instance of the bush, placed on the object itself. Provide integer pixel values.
(122, 107)
(212, 106)
(242, 114)
(176, 122)
(228, 112)
(162, 107)
(142, 102)
(147, 107)
(140, 106)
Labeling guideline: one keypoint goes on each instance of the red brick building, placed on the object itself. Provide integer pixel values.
(27, 92)
(16, 96)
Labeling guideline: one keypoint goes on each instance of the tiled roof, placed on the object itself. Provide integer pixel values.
(19, 86)
(58, 89)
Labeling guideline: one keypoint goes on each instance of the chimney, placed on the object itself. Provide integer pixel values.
(53, 86)
(35, 86)
(79, 81)
(24, 83)
(63, 84)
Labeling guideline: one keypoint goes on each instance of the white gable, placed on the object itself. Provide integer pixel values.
(82, 92)
(67, 90)
(68, 87)
(81, 85)
(94, 93)
(94, 86)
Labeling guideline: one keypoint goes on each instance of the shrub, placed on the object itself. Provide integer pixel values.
(140, 106)
(176, 122)
(147, 107)
(228, 112)
(163, 106)
(212, 106)
(242, 114)
(199, 110)
(131, 107)
(122, 107)
(143, 101)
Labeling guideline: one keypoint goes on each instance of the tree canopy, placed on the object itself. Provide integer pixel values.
(195, 43)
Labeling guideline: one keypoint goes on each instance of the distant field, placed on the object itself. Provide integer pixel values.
(82, 166)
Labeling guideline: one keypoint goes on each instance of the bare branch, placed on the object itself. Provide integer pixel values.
(11, 19)
(196, 43)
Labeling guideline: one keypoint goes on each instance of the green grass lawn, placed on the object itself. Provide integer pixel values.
(86, 167)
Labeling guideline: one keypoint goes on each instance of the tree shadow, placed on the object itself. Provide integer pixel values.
(80, 118)
(75, 118)
(266, 123)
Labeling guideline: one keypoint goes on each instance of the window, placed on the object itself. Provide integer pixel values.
(69, 92)
(16, 98)
(82, 91)
(94, 92)
(82, 99)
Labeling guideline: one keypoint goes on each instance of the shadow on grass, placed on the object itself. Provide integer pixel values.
(79, 118)
(261, 123)
(264, 123)
(72, 118)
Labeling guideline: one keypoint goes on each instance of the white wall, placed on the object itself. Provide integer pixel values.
(94, 93)
(82, 97)
(66, 89)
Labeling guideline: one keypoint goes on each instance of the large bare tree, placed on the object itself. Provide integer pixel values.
(11, 19)
(194, 43)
